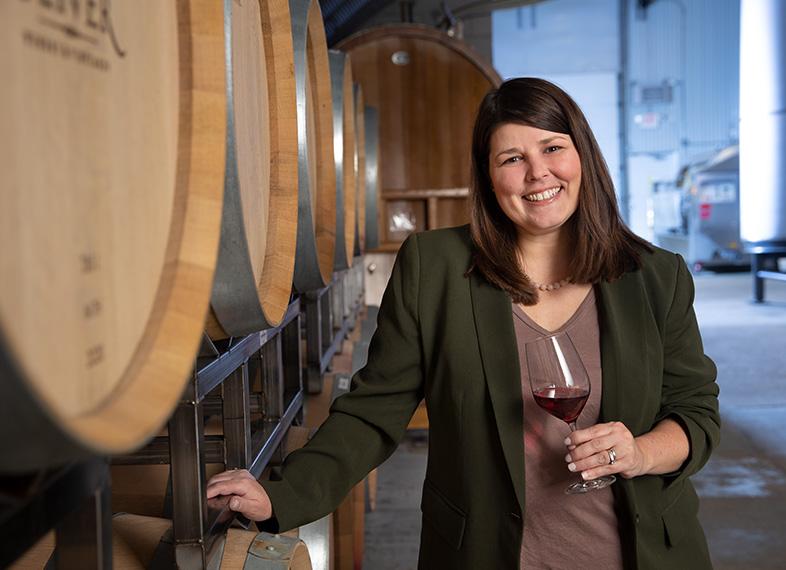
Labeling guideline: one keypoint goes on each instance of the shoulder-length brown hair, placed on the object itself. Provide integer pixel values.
(604, 247)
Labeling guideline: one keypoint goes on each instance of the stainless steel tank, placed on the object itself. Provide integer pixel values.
(763, 123)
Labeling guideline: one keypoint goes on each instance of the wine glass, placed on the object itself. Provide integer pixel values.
(561, 386)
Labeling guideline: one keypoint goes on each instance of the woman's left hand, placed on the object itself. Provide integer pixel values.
(589, 451)
(662, 450)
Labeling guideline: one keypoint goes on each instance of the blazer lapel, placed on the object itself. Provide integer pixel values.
(623, 343)
(493, 316)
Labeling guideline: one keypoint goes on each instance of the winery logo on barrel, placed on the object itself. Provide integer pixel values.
(70, 28)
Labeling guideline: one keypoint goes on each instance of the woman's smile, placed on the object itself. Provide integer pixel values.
(544, 195)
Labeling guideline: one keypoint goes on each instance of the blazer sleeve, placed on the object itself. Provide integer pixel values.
(366, 424)
(689, 392)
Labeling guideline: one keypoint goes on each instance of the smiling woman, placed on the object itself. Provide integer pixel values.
(460, 306)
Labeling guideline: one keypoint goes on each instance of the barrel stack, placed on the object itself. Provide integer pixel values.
(169, 193)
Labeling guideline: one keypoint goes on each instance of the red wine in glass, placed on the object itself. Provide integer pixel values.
(562, 403)
(561, 386)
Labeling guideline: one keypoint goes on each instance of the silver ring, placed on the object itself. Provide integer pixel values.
(612, 456)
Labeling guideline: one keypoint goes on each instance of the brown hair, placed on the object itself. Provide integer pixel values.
(605, 247)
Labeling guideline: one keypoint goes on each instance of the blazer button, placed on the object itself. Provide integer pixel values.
(637, 518)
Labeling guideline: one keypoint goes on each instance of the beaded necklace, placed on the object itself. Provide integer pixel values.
(552, 286)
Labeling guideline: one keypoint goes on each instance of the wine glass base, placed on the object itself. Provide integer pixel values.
(591, 485)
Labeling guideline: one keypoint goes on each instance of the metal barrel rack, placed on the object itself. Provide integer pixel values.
(73, 499)
(331, 312)
(257, 383)
(199, 525)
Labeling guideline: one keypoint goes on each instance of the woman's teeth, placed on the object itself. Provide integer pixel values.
(545, 195)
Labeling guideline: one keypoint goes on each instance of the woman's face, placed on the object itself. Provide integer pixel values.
(536, 176)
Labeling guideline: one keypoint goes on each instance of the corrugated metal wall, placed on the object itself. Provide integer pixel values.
(575, 44)
(688, 49)
(684, 50)
(558, 36)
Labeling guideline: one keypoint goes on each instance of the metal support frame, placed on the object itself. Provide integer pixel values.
(339, 301)
(329, 316)
(283, 392)
(763, 266)
(274, 356)
(74, 500)
(193, 539)
(236, 416)
(200, 525)
(318, 311)
(84, 537)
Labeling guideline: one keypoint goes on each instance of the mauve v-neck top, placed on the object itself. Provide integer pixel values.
(564, 532)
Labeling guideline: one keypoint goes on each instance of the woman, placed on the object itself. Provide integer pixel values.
(546, 250)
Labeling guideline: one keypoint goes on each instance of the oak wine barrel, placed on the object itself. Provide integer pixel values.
(137, 539)
(256, 259)
(316, 167)
(112, 141)
(142, 542)
(344, 142)
(360, 167)
(371, 130)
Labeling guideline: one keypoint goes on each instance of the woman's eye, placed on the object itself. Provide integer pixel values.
(511, 160)
(553, 149)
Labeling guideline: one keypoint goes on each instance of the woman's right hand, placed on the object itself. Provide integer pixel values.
(247, 496)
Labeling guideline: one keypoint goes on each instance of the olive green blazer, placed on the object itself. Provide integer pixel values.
(450, 338)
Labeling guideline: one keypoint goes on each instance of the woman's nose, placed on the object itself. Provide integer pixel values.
(537, 169)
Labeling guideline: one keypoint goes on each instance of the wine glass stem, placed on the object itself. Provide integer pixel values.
(572, 426)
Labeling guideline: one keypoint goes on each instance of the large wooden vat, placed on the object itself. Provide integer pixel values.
(112, 140)
(316, 168)
(426, 86)
(256, 260)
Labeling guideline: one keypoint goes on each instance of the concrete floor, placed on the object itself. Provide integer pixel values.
(742, 488)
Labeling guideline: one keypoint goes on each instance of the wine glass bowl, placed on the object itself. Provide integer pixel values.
(562, 403)
(561, 386)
